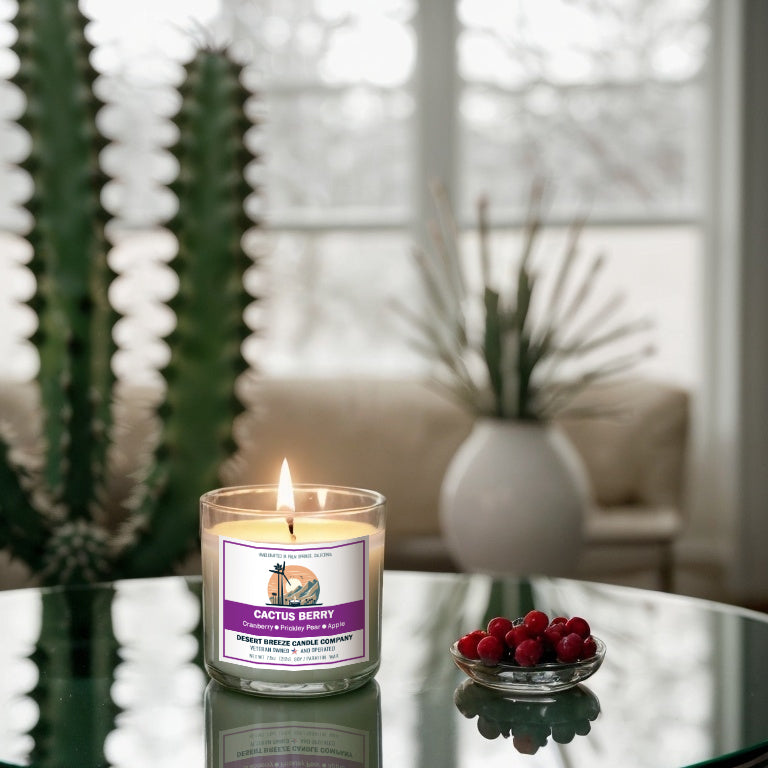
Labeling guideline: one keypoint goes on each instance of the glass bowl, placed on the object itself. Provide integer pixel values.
(543, 678)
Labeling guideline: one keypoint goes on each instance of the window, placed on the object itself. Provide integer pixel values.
(608, 101)
(604, 98)
(361, 104)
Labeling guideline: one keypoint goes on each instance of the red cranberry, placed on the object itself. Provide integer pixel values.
(569, 648)
(588, 648)
(467, 645)
(528, 653)
(552, 635)
(536, 622)
(499, 627)
(516, 635)
(490, 650)
(558, 620)
(579, 626)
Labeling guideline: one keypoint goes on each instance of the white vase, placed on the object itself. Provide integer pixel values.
(513, 500)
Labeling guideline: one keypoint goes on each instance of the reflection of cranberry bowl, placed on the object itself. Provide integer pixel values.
(530, 655)
(529, 720)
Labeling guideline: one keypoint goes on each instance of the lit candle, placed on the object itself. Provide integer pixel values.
(292, 587)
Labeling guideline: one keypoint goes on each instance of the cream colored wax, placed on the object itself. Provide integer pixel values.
(307, 531)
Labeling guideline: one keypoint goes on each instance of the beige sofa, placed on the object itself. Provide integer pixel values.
(397, 437)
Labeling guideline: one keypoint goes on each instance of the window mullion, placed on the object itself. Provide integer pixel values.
(436, 90)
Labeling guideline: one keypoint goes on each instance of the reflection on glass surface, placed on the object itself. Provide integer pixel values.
(420, 620)
(158, 680)
(111, 676)
(530, 721)
(103, 675)
(342, 731)
(20, 618)
(659, 673)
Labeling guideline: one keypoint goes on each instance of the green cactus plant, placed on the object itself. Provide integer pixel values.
(205, 358)
(54, 518)
(72, 338)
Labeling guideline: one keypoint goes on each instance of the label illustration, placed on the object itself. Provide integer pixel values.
(293, 585)
(293, 606)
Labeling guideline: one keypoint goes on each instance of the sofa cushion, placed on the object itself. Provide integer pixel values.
(395, 437)
(634, 448)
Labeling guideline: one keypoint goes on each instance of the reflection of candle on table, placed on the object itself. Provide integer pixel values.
(251, 730)
(292, 613)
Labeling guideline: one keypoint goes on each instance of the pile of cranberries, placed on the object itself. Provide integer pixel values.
(530, 640)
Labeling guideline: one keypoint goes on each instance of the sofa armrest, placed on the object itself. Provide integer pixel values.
(632, 525)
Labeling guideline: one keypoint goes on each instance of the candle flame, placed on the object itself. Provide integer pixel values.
(285, 500)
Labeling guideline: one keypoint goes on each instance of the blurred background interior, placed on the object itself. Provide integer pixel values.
(648, 115)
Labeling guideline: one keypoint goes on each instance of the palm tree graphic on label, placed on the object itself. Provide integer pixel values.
(292, 585)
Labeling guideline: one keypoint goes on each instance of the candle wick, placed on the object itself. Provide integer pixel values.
(288, 518)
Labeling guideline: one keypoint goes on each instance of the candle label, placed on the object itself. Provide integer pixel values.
(293, 745)
(293, 606)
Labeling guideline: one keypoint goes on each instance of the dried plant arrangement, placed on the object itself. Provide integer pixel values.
(526, 349)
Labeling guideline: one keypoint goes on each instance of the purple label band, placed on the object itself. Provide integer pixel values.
(303, 621)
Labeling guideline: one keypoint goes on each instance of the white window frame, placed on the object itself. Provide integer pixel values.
(730, 438)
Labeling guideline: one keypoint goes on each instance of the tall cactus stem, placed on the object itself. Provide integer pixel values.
(69, 261)
(206, 354)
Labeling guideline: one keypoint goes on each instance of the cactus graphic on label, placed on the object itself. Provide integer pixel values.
(292, 585)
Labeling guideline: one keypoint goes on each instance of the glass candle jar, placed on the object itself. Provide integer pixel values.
(343, 730)
(292, 593)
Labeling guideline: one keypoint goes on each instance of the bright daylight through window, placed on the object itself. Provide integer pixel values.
(604, 100)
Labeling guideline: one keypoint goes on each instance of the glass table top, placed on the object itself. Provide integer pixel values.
(113, 676)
